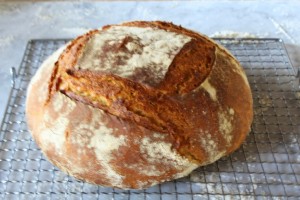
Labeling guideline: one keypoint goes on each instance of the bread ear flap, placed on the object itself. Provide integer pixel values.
(190, 67)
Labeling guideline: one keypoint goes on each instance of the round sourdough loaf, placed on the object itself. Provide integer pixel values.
(137, 104)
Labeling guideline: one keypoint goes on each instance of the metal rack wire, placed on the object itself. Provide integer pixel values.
(266, 166)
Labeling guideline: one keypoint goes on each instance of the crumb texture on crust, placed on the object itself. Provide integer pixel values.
(137, 104)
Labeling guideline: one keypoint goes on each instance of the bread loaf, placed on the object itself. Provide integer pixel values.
(137, 104)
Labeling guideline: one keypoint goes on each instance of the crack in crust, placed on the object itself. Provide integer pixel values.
(128, 100)
(152, 108)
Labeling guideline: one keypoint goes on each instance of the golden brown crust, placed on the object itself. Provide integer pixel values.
(152, 108)
(127, 99)
(202, 108)
(190, 67)
(68, 58)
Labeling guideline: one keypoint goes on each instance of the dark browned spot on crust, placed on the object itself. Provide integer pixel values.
(67, 133)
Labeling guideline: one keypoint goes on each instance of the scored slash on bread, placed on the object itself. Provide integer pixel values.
(149, 107)
(129, 100)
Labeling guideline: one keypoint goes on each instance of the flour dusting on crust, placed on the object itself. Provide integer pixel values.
(53, 127)
(162, 151)
(210, 89)
(124, 50)
(54, 134)
(104, 143)
(211, 147)
(225, 124)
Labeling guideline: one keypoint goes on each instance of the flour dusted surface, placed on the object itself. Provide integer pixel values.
(161, 151)
(54, 134)
(206, 85)
(225, 124)
(53, 128)
(125, 50)
(104, 143)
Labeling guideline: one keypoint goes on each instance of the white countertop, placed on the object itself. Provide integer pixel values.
(20, 22)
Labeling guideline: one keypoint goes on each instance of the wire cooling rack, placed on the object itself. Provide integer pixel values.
(267, 165)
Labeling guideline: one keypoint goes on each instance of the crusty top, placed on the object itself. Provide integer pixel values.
(136, 104)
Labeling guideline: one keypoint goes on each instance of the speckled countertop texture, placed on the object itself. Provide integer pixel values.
(22, 21)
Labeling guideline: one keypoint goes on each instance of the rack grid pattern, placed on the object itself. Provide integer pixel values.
(267, 166)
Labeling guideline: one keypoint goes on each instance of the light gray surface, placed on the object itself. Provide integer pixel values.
(20, 22)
